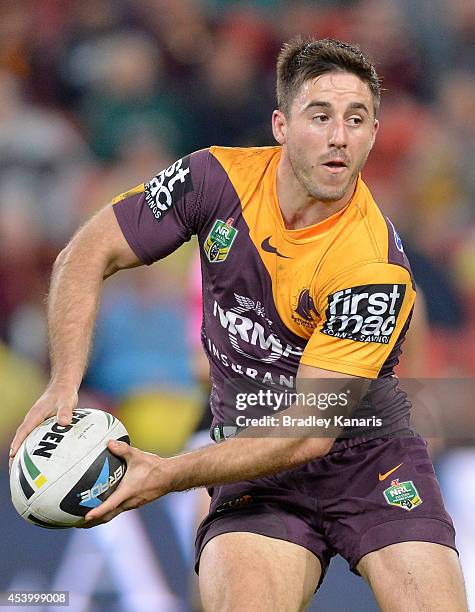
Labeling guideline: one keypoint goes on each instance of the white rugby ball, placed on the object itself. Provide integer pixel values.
(61, 472)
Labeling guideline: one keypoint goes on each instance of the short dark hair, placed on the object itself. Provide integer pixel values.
(302, 59)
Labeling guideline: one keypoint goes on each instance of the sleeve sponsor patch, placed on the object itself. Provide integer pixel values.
(168, 187)
(367, 313)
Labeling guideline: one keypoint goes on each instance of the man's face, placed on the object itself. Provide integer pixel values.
(328, 134)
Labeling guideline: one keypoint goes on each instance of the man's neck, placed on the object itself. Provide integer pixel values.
(298, 208)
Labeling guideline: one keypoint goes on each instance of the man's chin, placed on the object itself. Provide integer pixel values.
(329, 196)
(333, 193)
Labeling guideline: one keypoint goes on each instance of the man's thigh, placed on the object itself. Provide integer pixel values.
(420, 576)
(273, 508)
(246, 572)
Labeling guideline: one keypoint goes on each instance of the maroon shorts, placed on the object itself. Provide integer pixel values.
(360, 497)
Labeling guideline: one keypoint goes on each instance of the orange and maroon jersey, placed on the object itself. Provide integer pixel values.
(336, 295)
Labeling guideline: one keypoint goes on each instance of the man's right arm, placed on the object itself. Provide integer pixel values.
(143, 225)
(97, 251)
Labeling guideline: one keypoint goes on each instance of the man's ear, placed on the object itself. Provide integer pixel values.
(375, 131)
(279, 126)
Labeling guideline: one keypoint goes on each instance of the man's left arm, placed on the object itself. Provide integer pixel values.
(257, 453)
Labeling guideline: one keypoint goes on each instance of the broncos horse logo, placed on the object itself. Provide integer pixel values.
(306, 306)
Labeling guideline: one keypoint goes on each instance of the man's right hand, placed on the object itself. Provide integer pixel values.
(59, 400)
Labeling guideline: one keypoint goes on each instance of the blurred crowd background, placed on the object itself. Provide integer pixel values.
(97, 96)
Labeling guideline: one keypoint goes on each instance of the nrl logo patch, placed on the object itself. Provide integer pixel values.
(402, 494)
(220, 240)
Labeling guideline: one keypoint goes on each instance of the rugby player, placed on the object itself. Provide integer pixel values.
(303, 279)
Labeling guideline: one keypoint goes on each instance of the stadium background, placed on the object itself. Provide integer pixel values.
(98, 95)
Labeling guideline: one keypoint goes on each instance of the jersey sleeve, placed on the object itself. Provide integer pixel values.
(363, 314)
(160, 215)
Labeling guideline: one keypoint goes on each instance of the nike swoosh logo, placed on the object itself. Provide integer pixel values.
(384, 476)
(266, 246)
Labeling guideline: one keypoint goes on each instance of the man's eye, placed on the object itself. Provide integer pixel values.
(355, 120)
(320, 118)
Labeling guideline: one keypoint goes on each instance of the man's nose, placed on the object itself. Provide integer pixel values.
(337, 136)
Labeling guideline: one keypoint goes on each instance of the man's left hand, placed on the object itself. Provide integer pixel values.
(143, 482)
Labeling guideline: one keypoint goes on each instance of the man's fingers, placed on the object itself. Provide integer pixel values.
(22, 432)
(16, 443)
(64, 417)
(127, 505)
(11, 456)
(64, 413)
(104, 519)
(109, 505)
(120, 449)
(45, 407)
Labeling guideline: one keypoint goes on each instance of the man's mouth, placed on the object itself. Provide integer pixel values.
(335, 165)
